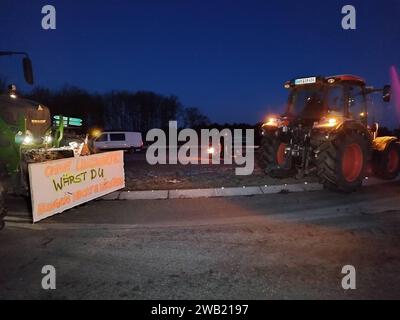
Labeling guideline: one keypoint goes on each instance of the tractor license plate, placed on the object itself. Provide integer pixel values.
(305, 81)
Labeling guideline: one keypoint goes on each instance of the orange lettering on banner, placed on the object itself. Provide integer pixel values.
(86, 192)
(59, 168)
(106, 160)
(43, 208)
(97, 188)
(115, 182)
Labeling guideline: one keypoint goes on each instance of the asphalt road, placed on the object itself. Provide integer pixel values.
(285, 246)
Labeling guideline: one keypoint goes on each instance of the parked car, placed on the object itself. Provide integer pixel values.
(121, 140)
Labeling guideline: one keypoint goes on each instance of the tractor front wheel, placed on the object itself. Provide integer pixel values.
(386, 163)
(342, 161)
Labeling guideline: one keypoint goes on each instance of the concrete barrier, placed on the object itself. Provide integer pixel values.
(144, 195)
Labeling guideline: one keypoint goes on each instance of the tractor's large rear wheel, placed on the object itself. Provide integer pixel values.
(273, 158)
(386, 163)
(342, 161)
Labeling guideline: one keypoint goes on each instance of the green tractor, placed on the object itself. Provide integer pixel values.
(324, 132)
(27, 135)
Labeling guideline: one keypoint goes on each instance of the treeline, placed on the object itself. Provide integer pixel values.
(119, 110)
(130, 111)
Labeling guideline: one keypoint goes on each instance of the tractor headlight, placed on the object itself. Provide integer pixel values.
(327, 123)
(332, 122)
(272, 122)
(24, 139)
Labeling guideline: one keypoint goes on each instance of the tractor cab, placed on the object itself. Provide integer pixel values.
(318, 100)
(23, 115)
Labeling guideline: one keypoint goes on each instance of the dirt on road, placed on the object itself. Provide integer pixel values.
(142, 176)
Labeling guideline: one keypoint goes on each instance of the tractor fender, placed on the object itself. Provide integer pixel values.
(354, 125)
(381, 143)
(385, 163)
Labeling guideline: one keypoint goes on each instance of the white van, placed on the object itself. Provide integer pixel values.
(124, 140)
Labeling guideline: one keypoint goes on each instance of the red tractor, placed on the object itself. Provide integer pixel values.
(324, 131)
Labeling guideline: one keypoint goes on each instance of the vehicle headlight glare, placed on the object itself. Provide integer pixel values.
(327, 123)
(27, 140)
(272, 122)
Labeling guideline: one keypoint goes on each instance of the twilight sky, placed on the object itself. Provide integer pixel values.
(229, 58)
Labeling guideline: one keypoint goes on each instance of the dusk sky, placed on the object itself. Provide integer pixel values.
(229, 58)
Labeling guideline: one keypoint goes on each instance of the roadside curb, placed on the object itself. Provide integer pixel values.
(226, 192)
(211, 192)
